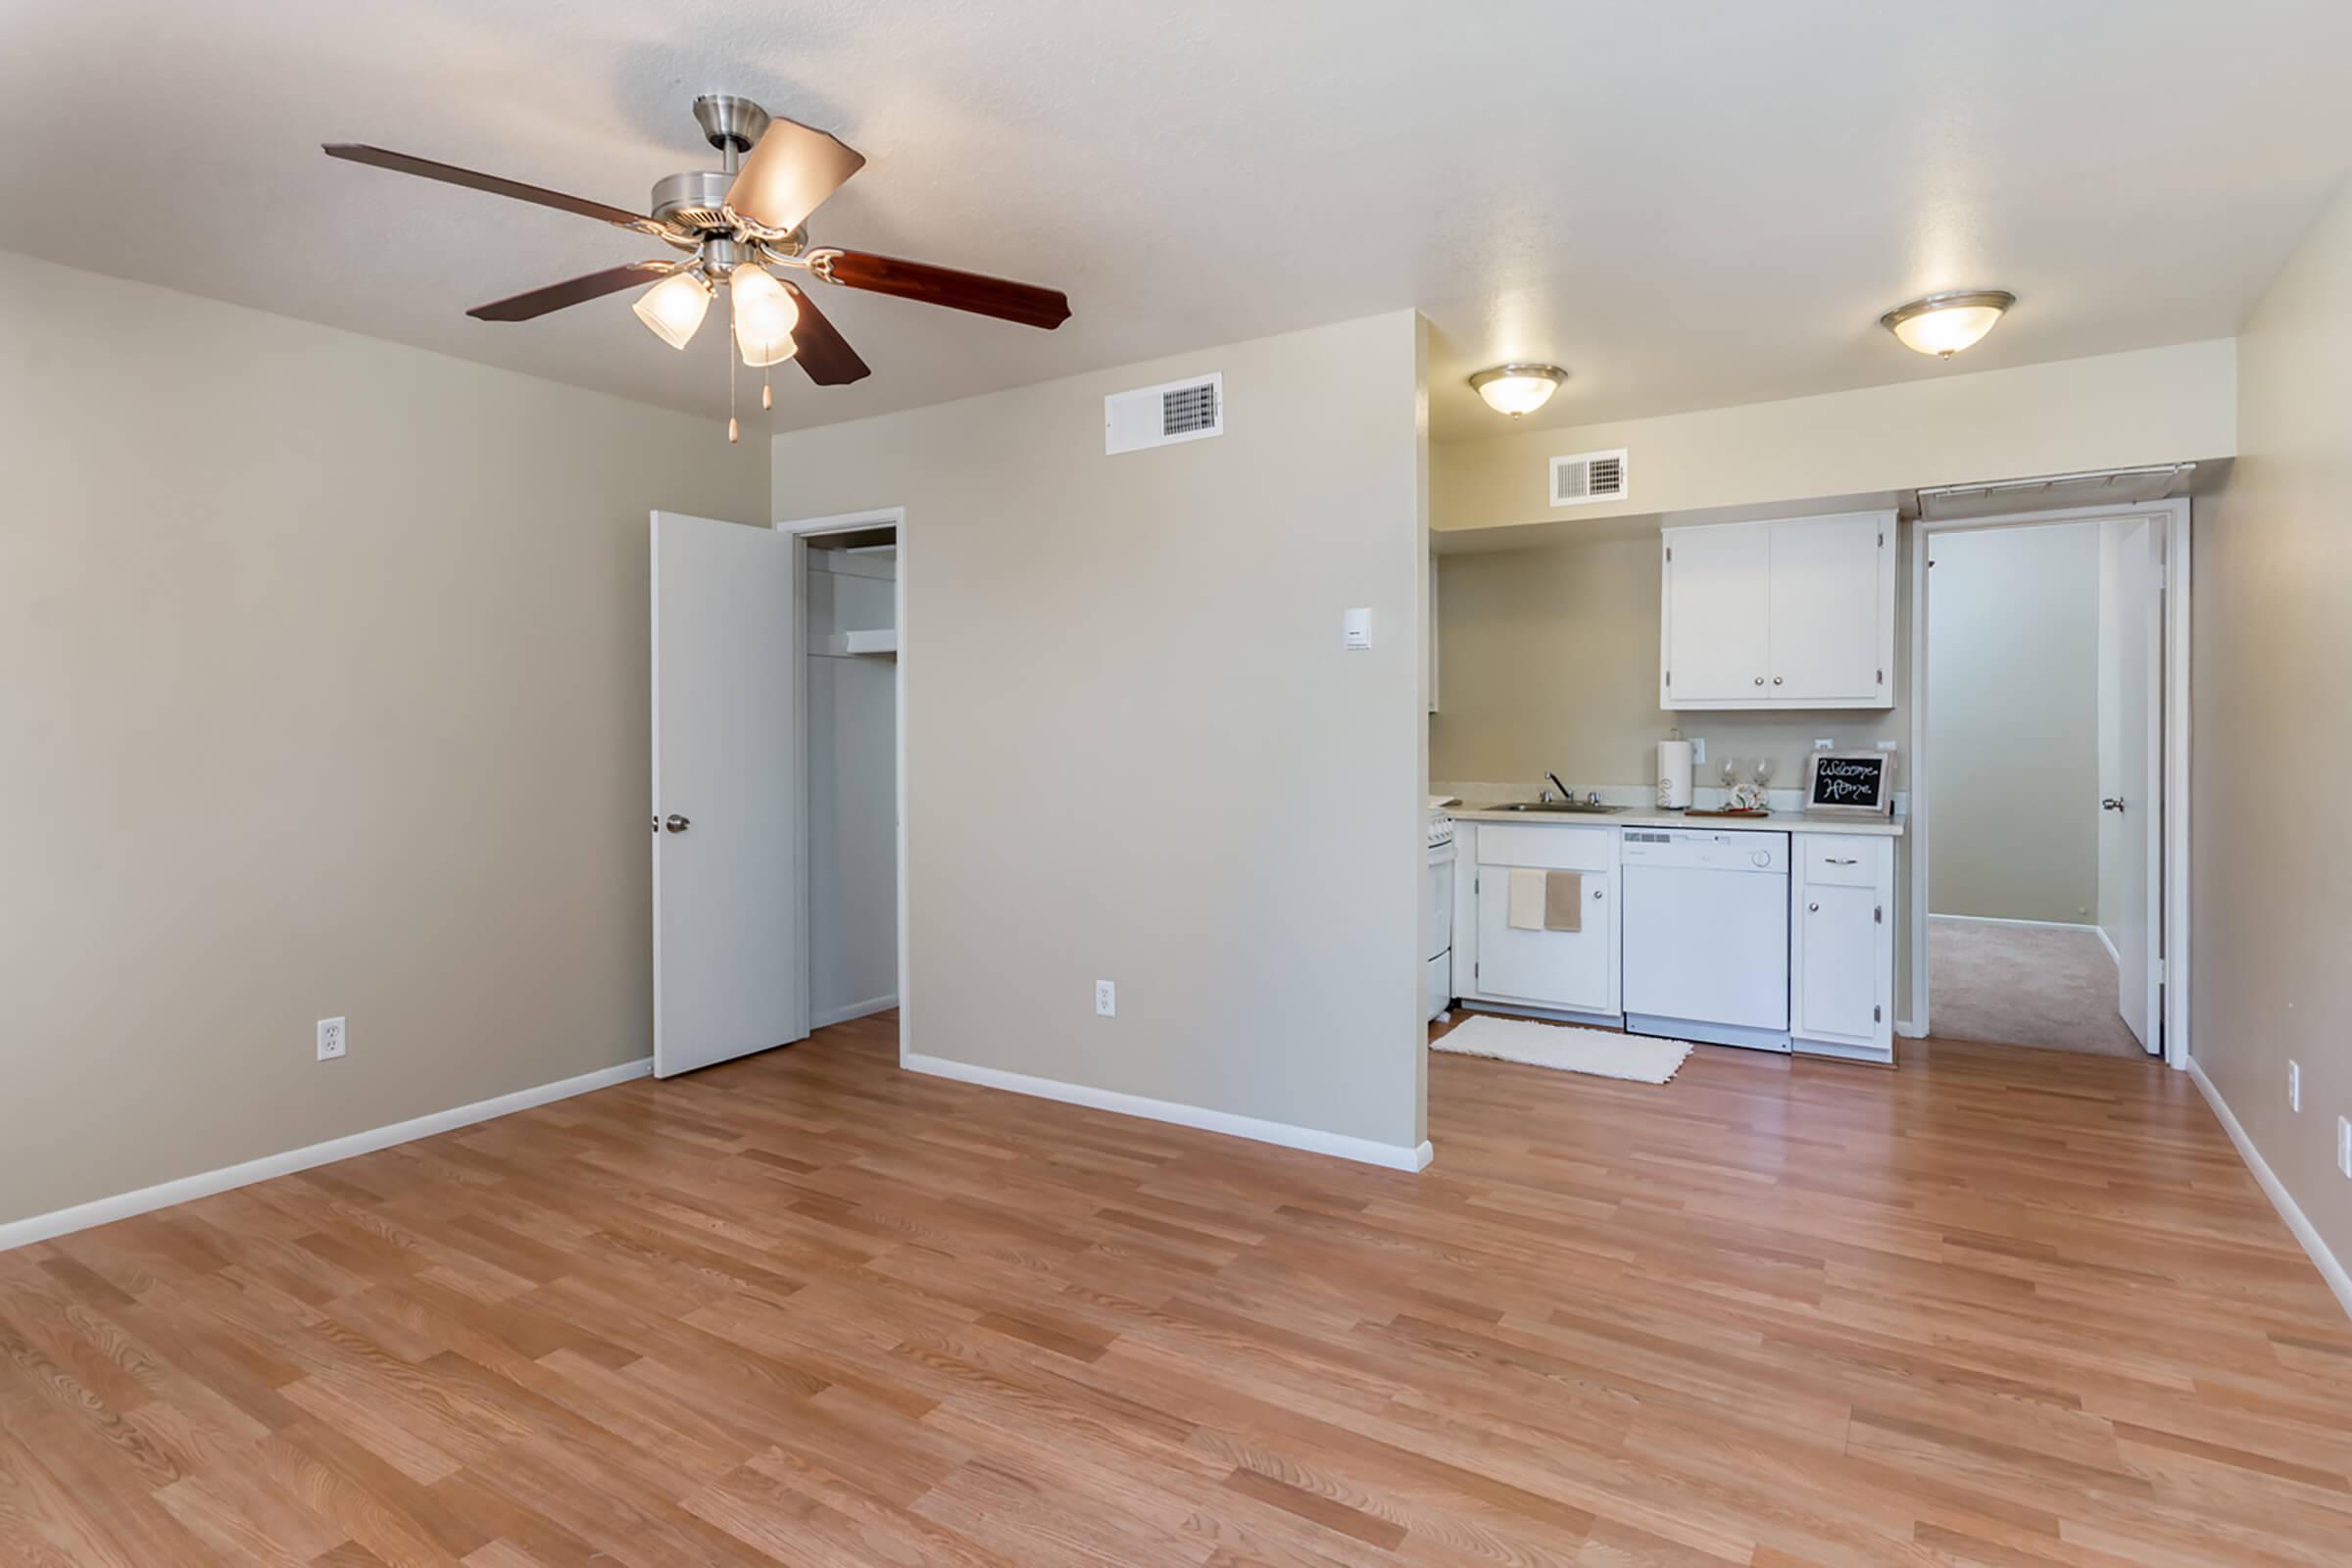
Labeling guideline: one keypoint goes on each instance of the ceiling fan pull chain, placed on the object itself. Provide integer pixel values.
(733, 430)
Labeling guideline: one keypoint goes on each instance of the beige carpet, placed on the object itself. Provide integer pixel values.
(2024, 986)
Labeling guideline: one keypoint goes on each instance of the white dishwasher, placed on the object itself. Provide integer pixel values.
(1706, 935)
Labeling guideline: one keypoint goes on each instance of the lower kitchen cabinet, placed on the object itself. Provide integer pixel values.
(1565, 971)
(1841, 947)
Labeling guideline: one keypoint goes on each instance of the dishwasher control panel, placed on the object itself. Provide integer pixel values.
(1707, 849)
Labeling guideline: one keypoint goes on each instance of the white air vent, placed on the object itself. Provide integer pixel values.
(1589, 476)
(1162, 415)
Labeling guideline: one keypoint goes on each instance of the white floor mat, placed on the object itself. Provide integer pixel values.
(1598, 1051)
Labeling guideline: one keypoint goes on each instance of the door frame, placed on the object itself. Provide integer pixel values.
(2171, 521)
(849, 522)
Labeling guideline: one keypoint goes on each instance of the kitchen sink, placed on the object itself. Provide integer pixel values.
(1563, 808)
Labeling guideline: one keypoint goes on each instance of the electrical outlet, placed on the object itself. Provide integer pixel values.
(1107, 999)
(335, 1038)
(1699, 751)
(2343, 1145)
(2294, 1086)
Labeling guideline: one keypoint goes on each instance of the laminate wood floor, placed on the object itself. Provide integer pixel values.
(1998, 1307)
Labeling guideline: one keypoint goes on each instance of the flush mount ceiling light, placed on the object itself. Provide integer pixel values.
(1517, 389)
(1942, 325)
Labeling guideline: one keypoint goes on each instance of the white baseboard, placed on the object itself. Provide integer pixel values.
(2108, 943)
(855, 1009)
(1395, 1157)
(123, 1206)
(2331, 1270)
(1909, 1030)
(2045, 925)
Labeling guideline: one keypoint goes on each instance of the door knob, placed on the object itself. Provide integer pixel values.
(2113, 802)
(677, 823)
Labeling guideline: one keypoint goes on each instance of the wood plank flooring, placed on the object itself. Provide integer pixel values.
(1998, 1307)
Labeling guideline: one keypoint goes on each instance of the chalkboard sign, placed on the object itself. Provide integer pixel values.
(1861, 783)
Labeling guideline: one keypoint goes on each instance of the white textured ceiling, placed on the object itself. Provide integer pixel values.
(1687, 204)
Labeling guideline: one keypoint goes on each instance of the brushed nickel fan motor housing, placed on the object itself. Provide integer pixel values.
(694, 199)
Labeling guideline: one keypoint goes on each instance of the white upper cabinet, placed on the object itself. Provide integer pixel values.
(1797, 612)
(1718, 614)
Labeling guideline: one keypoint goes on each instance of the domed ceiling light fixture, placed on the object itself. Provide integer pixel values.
(1517, 389)
(1942, 325)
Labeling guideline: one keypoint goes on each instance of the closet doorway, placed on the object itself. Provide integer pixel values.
(850, 577)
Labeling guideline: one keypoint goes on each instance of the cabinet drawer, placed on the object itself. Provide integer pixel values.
(1838, 861)
(1550, 849)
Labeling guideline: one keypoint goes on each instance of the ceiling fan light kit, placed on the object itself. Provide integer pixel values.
(733, 224)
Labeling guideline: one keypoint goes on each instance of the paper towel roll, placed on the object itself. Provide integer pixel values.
(1674, 774)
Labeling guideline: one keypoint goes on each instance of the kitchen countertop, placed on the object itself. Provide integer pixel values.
(1637, 817)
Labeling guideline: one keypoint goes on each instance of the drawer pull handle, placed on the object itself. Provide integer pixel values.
(1834, 860)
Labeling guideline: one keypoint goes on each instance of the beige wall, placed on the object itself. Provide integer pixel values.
(2013, 723)
(2150, 406)
(2272, 691)
(323, 675)
(1137, 750)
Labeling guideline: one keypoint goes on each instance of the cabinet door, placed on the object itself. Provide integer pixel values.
(1825, 606)
(1573, 970)
(1835, 992)
(1717, 604)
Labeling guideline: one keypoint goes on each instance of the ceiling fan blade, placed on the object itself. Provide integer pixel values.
(555, 296)
(1025, 303)
(823, 352)
(452, 174)
(788, 174)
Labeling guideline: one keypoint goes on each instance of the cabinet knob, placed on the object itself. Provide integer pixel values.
(1815, 907)
(1597, 893)
(1759, 680)
(1776, 681)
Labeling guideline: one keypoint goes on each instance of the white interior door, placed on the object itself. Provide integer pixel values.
(727, 939)
(2131, 774)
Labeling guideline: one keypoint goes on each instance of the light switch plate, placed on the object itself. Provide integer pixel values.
(1355, 629)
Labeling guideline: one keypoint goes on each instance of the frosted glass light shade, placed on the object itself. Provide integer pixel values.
(1942, 325)
(673, 308)
(764, 317)
(1517, 389)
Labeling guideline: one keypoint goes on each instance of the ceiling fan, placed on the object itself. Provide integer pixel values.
(733, 223)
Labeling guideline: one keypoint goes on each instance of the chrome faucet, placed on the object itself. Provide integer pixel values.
(1566, 793)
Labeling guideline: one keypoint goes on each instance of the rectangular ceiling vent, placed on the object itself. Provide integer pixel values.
(1586, 477)
(1163, 415)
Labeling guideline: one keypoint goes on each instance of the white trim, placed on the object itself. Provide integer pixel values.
(186, 1189)
(2176, 867)
(2331, 1270)
(843, 522)
(2046, 925)
(2108, 942)
(2171, 889)
(855, 1009)
(1394, 1156)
